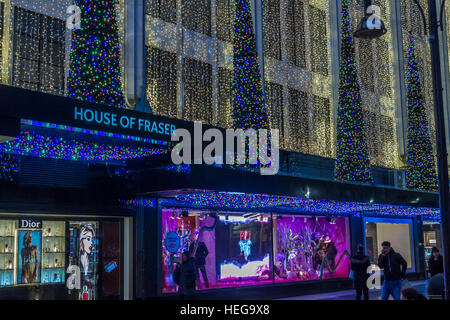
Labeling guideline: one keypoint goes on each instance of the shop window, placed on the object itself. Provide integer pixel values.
(232, 249)
(39, 52)
(310, 248)
(398, 234)
(162, 9)
(274, 100)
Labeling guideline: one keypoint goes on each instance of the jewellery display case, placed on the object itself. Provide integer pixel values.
(7, 245)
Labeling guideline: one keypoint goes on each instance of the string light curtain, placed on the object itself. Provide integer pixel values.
(375, 61)
(412, 24)
(95, 72)
(198, 91)
(322, 123)
(274, 101)
(299, 127)
(225, 20)
(272, 32)
(319, 43)
(352, 158)
(2, 15)
(39, 52)
(249, 110)
(421, 173)
(225, 98)
(295, 19)
(162, 81)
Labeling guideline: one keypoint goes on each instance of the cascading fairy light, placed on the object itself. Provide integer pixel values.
(352, 158)
(249, 110)
(44, 146)
(421, 173)
(95, 73)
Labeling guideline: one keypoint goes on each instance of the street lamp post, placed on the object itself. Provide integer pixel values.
(441, 144)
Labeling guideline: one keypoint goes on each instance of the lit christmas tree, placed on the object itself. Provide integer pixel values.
(352, 157)
(249, 111)
(94, 73)
(421, 169)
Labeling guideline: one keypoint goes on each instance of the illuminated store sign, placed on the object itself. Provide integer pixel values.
(30, 224)
(113, 119)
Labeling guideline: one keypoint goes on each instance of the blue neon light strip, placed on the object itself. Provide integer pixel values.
(92, 132)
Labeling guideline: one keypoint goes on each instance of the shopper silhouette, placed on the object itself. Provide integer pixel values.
(394, 267)
(359, 264)
(435, 263)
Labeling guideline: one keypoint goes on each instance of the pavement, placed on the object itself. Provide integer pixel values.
(374, 294)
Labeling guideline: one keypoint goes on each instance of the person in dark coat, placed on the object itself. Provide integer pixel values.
(435, 263)
(394, 267)
(185, 277)
(359, 264)
(200, 260)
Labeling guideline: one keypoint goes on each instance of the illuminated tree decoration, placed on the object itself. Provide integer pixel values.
(352, 157)
(249, 111)
(94, 73)
(421, 167)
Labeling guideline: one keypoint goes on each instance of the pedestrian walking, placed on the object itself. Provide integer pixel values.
(394, 267)
(359, 264)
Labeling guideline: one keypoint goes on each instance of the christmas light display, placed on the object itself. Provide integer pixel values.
(301, 205)
(43, 146)
(421, 173)
(249, 110)
(95, 72)
(9, 165)
(352, 158)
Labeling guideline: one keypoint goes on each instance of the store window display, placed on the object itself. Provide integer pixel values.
(310, 248)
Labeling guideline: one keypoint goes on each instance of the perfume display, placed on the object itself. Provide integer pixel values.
(7, 237)
(53, 251)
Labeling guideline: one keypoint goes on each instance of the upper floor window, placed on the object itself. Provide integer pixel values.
(225, 20)
(319, 40)
(38, 52)
(295, 20)
(162, 9)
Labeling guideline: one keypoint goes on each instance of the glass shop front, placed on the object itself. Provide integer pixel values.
(80, 258)
(235, 249)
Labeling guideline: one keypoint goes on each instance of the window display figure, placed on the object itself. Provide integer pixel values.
(30, 262)
(328, 250)
(245, 244)
(199, 252)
